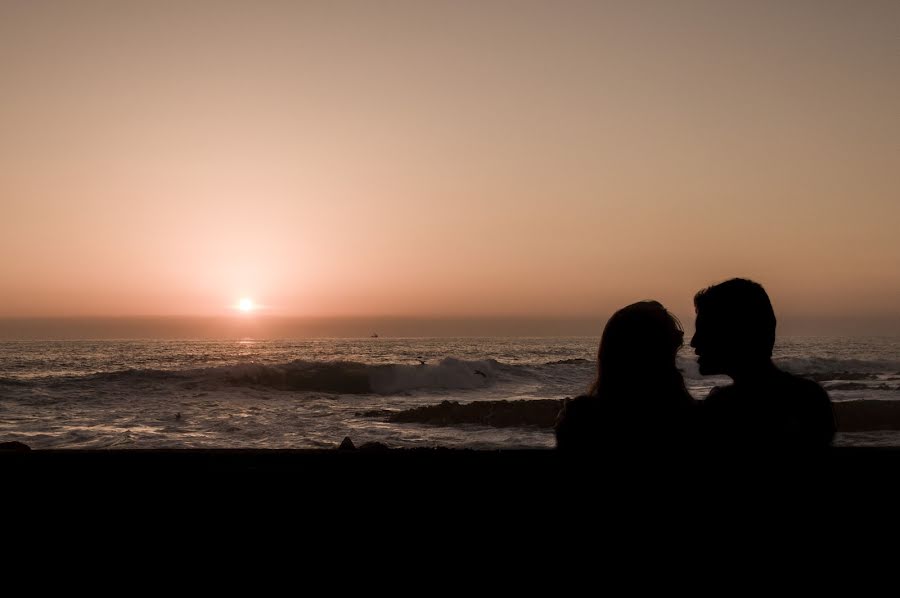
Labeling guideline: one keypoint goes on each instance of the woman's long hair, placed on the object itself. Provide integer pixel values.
(636, 358)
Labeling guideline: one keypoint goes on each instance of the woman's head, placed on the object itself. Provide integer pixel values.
(637, 350)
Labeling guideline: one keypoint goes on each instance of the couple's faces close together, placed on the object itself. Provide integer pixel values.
(711, 347)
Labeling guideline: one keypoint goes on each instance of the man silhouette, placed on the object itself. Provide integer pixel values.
(764, 407)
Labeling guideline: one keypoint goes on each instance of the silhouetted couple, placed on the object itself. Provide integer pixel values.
(639, 400)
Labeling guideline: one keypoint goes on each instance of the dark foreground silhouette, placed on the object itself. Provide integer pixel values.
(426, 489)
(411, 477)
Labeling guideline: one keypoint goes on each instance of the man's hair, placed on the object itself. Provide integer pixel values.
(742, 308)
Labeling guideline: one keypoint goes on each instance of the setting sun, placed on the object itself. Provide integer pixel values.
(245, 305)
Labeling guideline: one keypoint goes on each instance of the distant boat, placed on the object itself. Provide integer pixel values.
(374, 335)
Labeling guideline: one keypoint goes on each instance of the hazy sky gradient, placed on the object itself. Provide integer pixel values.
(447, 158)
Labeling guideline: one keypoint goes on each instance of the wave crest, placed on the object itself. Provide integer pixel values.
(337, 377)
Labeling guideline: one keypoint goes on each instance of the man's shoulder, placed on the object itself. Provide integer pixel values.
(783, 383)
(802, 387)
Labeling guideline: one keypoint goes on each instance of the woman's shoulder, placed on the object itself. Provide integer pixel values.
(577, 407)
(580, 400)
(574, 423)
(580, 405)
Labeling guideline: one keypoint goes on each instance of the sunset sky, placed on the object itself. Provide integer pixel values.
(447, 159)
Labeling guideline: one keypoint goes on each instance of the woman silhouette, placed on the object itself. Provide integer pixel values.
(638, 400)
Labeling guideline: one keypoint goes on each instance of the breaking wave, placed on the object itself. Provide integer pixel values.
(450, 373)
(338, 377)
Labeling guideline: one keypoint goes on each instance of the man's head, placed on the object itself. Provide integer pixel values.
(735, 327)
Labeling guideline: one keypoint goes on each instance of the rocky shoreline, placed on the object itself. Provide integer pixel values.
(851, 416)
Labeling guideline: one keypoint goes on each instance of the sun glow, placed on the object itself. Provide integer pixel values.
(246, 305)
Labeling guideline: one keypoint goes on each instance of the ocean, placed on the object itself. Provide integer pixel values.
(313, 393)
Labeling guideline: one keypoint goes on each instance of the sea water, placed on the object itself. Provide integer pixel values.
(313, 393)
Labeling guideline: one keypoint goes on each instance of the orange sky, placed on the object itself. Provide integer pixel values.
(447, 158)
